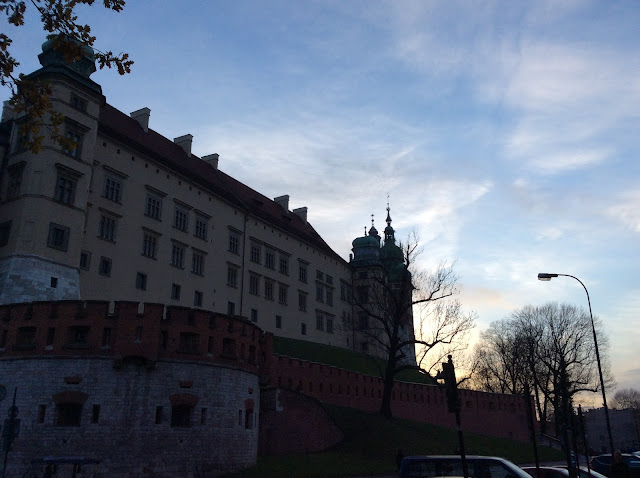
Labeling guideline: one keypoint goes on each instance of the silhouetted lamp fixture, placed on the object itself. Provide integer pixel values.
(545, 276)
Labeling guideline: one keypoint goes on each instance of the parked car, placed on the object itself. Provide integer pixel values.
(602, 464)
(584, 472)
(561, 472)
(546, 472)
(432, 466)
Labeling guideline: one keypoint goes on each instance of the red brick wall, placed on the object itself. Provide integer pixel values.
(487, 413)
(127, 333)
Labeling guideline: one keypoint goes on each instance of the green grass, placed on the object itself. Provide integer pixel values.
(342, 358)
(371, 442)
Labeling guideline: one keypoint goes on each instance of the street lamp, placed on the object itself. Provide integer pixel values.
(543, 276)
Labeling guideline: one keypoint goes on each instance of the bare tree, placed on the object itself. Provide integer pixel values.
(626, 398)
(385, 300)
(550, 347)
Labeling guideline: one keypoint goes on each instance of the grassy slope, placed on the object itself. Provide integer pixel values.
(371, 443)
(342, 358)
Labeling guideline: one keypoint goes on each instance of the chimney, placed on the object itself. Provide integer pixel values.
(212, 159)
(185, 143)
(283, 201)
(142, 117)
(302, 212)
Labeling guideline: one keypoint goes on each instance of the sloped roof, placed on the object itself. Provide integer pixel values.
(115, 124)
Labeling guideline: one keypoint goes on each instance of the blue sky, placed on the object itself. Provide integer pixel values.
(504, 132)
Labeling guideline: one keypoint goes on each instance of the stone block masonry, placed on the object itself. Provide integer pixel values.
(142, 394)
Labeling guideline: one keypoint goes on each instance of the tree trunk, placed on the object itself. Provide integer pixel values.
(385, 406)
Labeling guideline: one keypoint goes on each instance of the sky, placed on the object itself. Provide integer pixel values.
(504, 133)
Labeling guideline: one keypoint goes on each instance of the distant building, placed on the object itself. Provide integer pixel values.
(625, 428)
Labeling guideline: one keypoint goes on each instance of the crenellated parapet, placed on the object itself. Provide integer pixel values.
(148, 332)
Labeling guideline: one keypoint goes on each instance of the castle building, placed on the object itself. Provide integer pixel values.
(130, 215)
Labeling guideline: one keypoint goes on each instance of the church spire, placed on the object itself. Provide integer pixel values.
(388, 231)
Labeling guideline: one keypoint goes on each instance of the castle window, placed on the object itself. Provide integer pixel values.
(78, 103)
(270, 259)
(329, 279)
(58, 237)
(175, 291)
(74, 140)
(51, 333)
(189, 342)
(158, 420)
(201, 228)
(112, 189)
(79, 335)
(319, 293)
(231, 309)
(254, 315)
(42, 411)
(107, 228)
(232, 276)
(65, 189)
(181, 415)
(284, 265)
(95, 414)
(303, 329)
(234, 242)
(105, 266)
(153, 207)
(329, 299)
(319, 275)
(181, 219)
(229, 348)
(85, 260)
(248, 419)
(5, 231)
(141, 281)
(268, 289)
(68, 414)
(26, 337)
(15, 180)
(150, 245)
(254, 284)
(329, 325)
(197, 263)
(256, 252)
(278, 321)
(319, 321)
(302, 300)
(197, 298)
(282, 294)
(302, 272)
(177, 256)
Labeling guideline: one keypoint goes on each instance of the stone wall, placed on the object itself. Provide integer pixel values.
(142, 394)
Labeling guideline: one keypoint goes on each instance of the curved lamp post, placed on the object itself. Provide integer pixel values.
(544, 276)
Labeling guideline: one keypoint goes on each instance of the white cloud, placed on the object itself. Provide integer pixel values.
(626, 210)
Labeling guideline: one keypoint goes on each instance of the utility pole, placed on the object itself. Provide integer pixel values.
(448, 374)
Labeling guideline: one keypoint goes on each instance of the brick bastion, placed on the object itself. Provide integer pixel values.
(168, 392)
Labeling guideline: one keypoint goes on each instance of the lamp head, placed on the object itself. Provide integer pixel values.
(545, 276)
